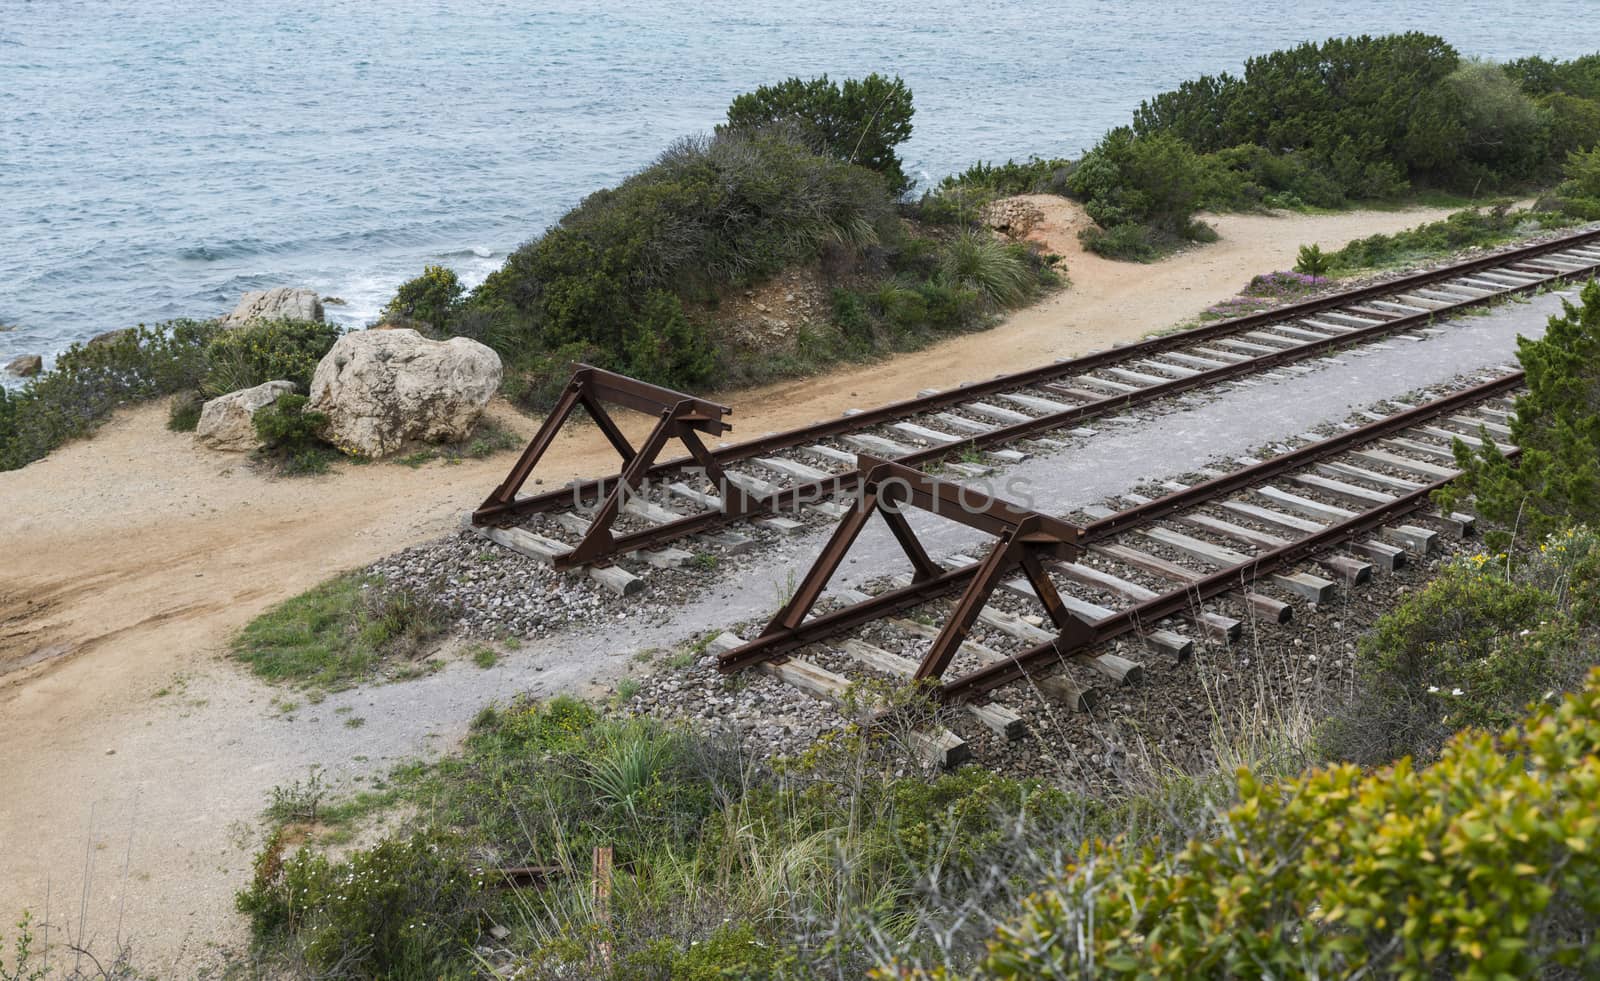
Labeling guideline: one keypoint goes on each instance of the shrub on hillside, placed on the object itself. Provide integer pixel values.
(998, 271)
(430, 297)
(89, 381)
(859, 122)
(1032, 176)
(1470, 228)
(708, 215)
(266, 350)
(1371, 112)
(1471, 649)
(1482, 865)
(1555, 481)
(291, 436)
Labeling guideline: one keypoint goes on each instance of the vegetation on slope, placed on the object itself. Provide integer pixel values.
(802, 172)
(1321, 125)
(1483, 865)
(88, 381)
(1555, 481)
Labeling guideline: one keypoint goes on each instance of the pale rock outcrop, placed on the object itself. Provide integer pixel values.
(25, 365)
(110, 337)
(279, 303)
(1013, 217)
(227, 422)
(382, 390)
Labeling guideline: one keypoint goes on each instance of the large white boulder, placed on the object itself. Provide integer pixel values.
(384, 389)
(227, 422)
(279, 303)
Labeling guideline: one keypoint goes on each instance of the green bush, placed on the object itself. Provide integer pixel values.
(183, 412)
(89, 381)
(1483, 865)
(1471, 649)
(1312, 261)
(859, 122)
(1031, 176)
(1371, 113)
(404, 908)
(709, 215)
(430, 297)
(292, 436)
(666, 345)
(267, 350)
(1128, 241)
(996, 270)
(1555, 481)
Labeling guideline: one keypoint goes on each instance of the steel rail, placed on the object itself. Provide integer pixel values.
(1019, 666)
(792, 497)
(1015, 667)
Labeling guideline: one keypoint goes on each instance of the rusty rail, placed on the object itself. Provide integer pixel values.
(790, 631)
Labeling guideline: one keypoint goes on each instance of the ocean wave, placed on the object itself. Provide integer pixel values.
(239, 249)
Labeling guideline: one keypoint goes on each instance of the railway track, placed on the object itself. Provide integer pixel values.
(783, 479)
(1041, 606)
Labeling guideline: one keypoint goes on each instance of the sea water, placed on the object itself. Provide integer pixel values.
(159, 157)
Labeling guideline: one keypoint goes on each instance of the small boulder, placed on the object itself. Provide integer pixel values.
(382, 390)
(25, 365)
(280, 303)
(227, 422)
(109, 337)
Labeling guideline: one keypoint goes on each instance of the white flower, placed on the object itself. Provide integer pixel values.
(1455, 691)
(1433, 689)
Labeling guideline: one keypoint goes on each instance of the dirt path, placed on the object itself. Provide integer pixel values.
(128, 560)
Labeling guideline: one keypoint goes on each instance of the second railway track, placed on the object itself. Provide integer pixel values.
(1043, 605)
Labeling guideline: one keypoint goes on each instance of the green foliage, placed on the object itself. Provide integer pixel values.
(859, 122)
(1581, 189)
(1154, 180)
(89, 381)
(1555, 480)
(291, 436)
(1471, 649)
(403, 908)
(998, 271)
(1031, 176)
(24, 966)
(722, 870)
(339, 632)
(1312, 261)
(266, 350)
(666, 345)
(610, 279)
(1473, 227)
(183, 412)
(1504, 134)
(1482, 865)
(1127, 241)
(1540, 76)
(1369, 112)
(430, 297)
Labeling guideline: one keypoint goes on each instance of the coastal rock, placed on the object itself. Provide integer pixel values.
(280, 303)
(228, 421)
(109, 337)
(1012, 217)
(384, 389)
(25, 365)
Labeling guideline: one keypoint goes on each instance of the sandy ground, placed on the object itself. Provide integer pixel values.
(127, 562)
